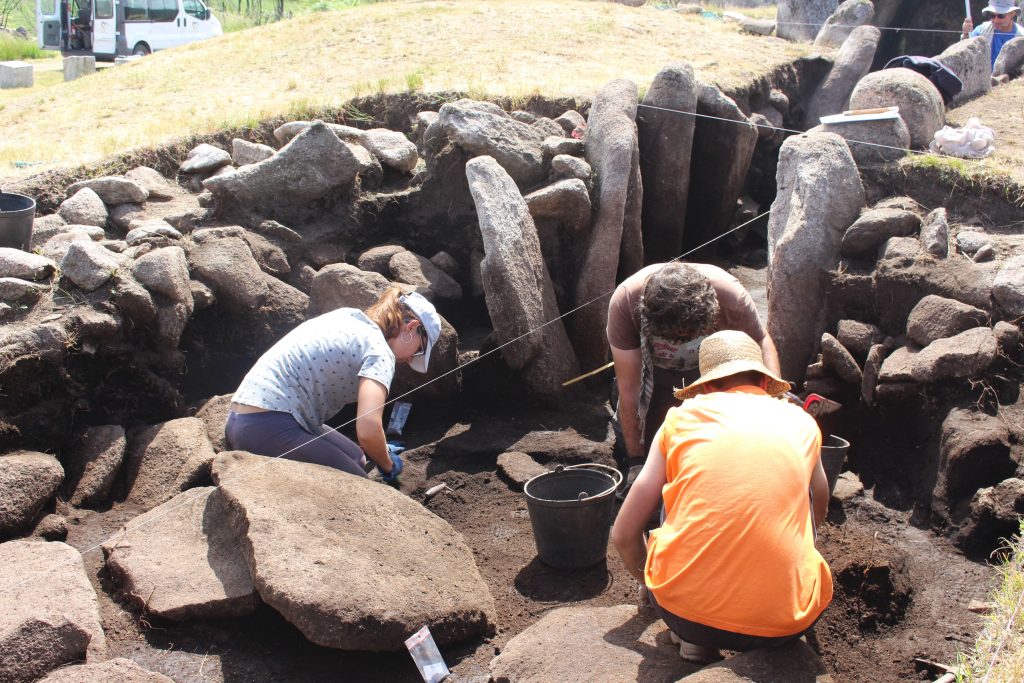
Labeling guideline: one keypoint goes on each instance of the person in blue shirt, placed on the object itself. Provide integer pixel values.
(1001, 26)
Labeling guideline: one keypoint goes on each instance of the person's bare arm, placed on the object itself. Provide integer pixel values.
(641, 502)
(370, 422)
(819, 486)
(627, 376)
(770, 355)
(967, 28)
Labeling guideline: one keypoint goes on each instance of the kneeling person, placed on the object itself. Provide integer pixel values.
(734, 564)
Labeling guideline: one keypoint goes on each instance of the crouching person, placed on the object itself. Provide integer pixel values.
(739, 473)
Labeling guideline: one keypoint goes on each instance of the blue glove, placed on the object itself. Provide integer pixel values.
(396, 465)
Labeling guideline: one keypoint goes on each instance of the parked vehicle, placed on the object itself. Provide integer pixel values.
(114, 28)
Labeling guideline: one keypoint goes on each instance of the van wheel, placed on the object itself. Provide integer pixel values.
(141, 50)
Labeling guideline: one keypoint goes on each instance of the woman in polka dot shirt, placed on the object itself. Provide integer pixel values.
(337, 358)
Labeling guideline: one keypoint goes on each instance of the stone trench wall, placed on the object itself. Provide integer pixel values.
(146, 288)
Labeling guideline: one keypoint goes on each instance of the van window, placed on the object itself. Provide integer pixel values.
(104, 9)
(162, 10)
(195, 8)
(135, 10)
(47, 7)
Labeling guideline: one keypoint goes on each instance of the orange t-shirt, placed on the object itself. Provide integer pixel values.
(736, 551)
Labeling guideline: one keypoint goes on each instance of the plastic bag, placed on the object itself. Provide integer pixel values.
(973, 141)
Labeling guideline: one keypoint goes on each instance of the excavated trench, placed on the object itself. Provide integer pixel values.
(902, 586)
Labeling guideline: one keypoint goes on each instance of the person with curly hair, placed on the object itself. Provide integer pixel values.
(657, 319)
(737, 474)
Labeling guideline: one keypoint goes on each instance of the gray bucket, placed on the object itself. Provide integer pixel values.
(17, 212)
(833, 456)
(571, 513)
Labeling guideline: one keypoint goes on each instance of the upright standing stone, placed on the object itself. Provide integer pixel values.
(666, 139)
(820, 194)
(517, 286)
(612, 150)
(970, 60)
(723, 145)
(848, 17)
(852, 63)
(802, 19)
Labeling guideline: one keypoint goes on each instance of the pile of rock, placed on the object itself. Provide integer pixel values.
(925, 313)
(241, 544)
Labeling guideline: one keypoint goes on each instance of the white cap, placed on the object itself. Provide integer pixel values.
(1000, 7)
(431, 321)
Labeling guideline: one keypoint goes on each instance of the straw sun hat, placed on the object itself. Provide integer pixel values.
(727, 353)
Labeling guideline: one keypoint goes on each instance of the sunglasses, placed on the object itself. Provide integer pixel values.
(423, 341)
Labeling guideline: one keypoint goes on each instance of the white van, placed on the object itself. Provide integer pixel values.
(114, 28)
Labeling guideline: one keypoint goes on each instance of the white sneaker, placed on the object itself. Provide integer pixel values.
(695, 654)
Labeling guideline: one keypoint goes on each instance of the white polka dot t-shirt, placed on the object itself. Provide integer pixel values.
(314, 370)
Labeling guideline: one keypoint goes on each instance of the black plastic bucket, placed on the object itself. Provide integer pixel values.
(17, 212)
(833, 456)
(571, 513)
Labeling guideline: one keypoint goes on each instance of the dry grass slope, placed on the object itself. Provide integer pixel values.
(481, 47)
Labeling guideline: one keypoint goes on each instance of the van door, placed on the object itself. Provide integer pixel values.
(48, 24)
(198, 20)
(104, 31)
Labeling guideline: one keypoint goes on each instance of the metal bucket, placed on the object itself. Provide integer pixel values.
(833, 456)
(17, 213)
(571, 513)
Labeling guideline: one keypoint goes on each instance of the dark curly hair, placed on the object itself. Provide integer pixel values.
(678, 303)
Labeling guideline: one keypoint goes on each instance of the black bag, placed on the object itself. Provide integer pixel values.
(945, 81)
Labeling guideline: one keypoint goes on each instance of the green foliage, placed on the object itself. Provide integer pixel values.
(238, 15)
(998, 653)
(13, 49)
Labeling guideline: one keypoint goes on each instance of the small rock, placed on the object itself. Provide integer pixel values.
(519, 468)
(244, 152)
(28, 481)
(986, 253)
(848, 487)
(51, 528)
(835, 356)
(970, 241)
(84, 207)
(113, 190)
(204, 158)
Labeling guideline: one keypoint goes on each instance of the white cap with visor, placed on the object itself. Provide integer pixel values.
(431, 321)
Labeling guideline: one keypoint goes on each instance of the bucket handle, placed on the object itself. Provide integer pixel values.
(607, 469)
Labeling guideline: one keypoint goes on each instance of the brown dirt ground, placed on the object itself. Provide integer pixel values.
(901, 592)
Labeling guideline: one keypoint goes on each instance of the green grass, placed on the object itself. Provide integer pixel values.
(998, 654)
(15, 49)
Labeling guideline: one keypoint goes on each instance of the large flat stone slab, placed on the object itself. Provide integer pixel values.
(352, 563)
(205, 577)
(582, 644)
(49, 614)
(118, 670)
(165, 459)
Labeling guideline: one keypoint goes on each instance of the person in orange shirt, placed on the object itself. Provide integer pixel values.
(733, 565)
